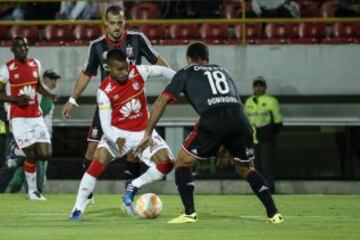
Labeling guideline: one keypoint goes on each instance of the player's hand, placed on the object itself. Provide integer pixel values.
(224, 157)
(120, 143)
(145, 142)
(67, 109)
(23, 100)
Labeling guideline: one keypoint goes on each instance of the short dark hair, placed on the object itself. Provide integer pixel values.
(198, 51)
(114, 10)
(115, 54)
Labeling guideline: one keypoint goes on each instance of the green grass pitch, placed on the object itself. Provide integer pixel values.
(220, 217)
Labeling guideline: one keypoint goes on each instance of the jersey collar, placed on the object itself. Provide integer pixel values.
(118, 43)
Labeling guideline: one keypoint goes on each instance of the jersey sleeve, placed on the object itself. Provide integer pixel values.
(176, 86)
(147, 71)
(147, 50)
(105, 112)
(91, 63)
(4, 74)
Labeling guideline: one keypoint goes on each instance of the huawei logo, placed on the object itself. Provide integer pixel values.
(132, 107)
(29, 91)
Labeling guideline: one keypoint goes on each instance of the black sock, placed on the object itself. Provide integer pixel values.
(184, 182)
(86, 164)
(259, 187)
(132, 170)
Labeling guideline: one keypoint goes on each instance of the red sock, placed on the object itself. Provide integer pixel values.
(165, 167)
(96, 168)
(29, 167)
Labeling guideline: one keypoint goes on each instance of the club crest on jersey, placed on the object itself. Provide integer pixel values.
(131, 109)
(109, 88)
(104, 55)
(12, 67)
(16, 76)
(129, 51)
(136, 85)
(94, 132)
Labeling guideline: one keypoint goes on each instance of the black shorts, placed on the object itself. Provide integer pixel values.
(95, 132)
(226, 126)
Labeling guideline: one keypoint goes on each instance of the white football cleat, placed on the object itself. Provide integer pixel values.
(36, 196)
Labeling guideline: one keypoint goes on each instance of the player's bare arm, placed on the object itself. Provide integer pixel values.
(22, 100)
(156, 113)
(161, 62)
(77, 91)
(46, 92)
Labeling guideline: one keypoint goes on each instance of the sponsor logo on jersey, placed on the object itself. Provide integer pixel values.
(109, 88)
(94, 132)
(35, 74)
(136, 85)
(131, 109)
(132, 74)
(104, 55)
(29, 91)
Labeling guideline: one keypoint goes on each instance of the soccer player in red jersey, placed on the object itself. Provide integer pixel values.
(124, 114)
(20, 78)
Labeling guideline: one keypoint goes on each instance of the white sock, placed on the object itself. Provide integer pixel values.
(31, 181)
(86, 187)
(151, 175)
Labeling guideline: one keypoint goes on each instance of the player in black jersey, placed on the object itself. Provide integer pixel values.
(135, 45)
(213, 94)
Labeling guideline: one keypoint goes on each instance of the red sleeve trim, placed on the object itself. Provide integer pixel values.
(173, 99)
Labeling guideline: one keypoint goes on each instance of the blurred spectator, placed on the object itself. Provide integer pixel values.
(40, 10)
(348, 8)
(11, 11)
(100, 7)
(274, 9)
(190, 9)
(76, 10)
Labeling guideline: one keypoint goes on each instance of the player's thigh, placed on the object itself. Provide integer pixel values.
(103, 155)
(159, 151)
(184, 159)
(161, 155)
(90, 150)
(30, 153)
(43, 151)
(130, 157)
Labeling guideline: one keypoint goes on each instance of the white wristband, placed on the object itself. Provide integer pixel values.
(73, 101)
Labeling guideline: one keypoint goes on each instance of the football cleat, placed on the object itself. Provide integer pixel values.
(277, 218)
(129, 194)
(183, 218)
(129, 209)
(76, 215)
(36, 196)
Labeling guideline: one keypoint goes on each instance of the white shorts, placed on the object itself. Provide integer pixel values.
(28, 131)
(132, 140)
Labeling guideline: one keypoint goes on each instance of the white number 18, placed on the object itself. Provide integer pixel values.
(217, 82)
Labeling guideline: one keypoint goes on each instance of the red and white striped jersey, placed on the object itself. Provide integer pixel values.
(22, 79)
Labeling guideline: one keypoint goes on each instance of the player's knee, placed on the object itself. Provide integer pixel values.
(242, 168)
(102, 155)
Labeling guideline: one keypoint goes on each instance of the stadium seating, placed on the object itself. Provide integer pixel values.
(144, 11)
(30, 32)
(343, 33)
(214, 33)
(56, 35)
(328, 8)
(83, 34)
(253, 33)
(181, 34)
(309, 8)
(277, 34)
(307, 33)
(155, 33)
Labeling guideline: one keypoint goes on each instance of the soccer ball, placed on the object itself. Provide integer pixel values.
(148, 205)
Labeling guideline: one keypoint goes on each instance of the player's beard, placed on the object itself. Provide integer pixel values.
(116, 35)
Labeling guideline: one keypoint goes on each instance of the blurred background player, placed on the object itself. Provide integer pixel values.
(265, 118)
(21, 79)
(123, 115)
(135, 45)
(213, 94)
(11, 173)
